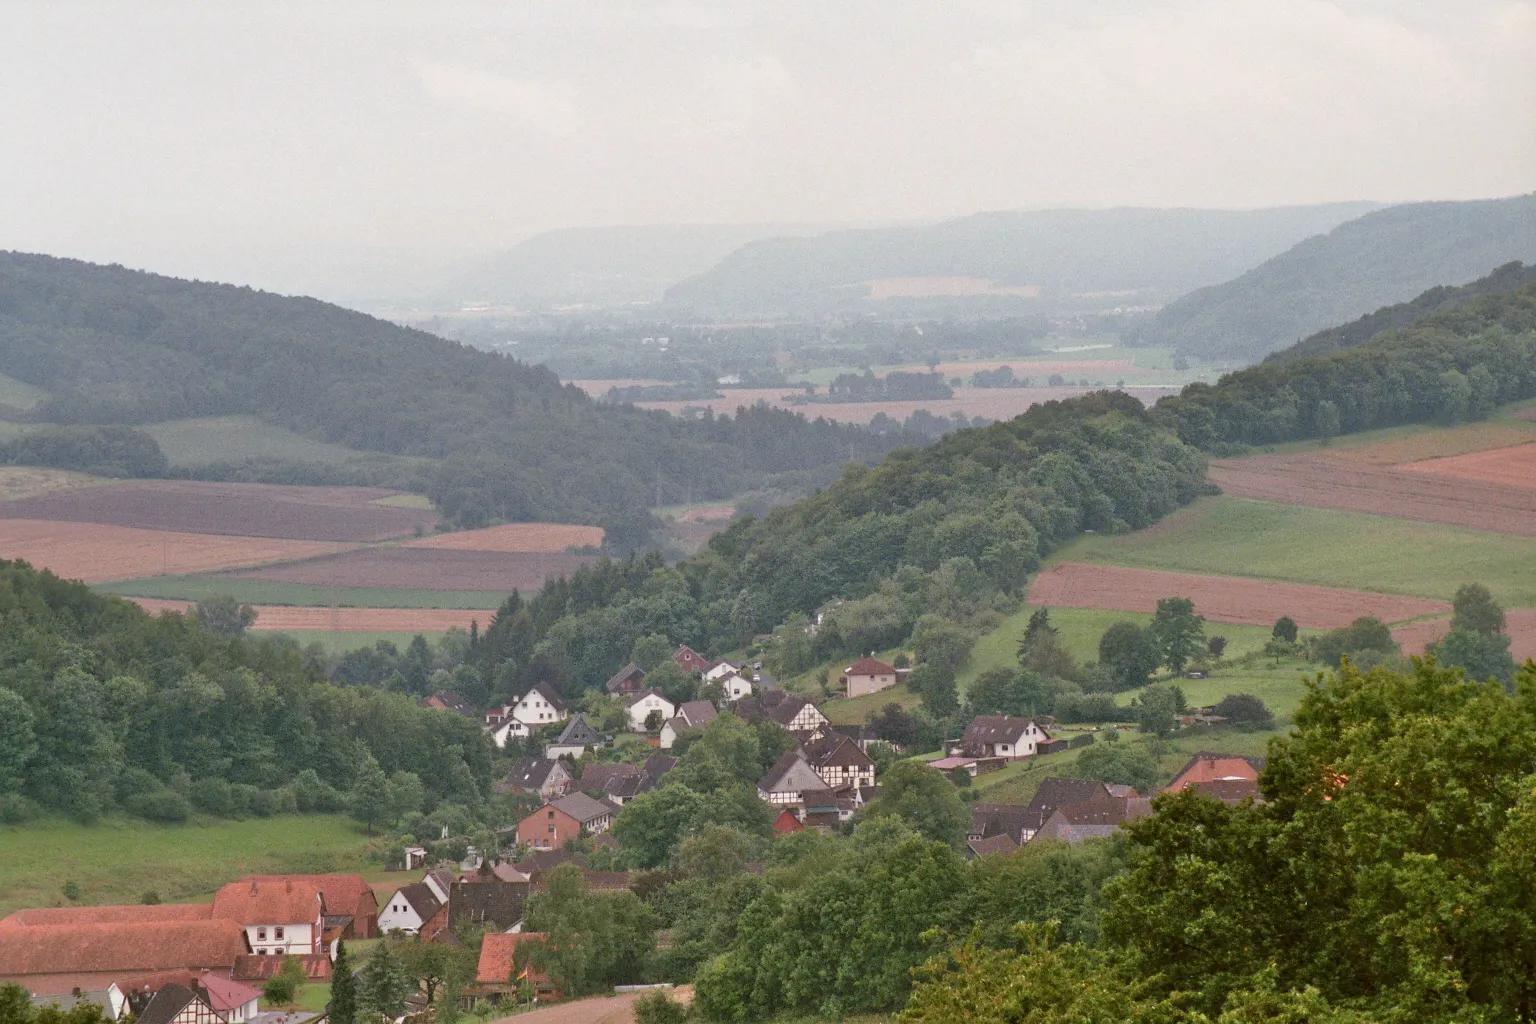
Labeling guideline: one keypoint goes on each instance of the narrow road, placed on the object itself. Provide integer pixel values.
(597, 1010)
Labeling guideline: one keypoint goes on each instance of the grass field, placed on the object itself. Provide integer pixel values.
(10, 431)
(197, 588)
(19, 395)
(236, 438)
(118, 860)
(1263, 540)
(1421, 440)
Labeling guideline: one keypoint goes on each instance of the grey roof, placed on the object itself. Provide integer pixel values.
(582, 807)
(640, 695)
(658, 765)
(597, 775)
(989, 820)
(495, 903)
(167, 1003)
(529, 774)
(625, 678)
(1056, 792)
(421, 899)
(577, 732)
(994, 844)
(837, 751)
(995, 729)
(697, 713)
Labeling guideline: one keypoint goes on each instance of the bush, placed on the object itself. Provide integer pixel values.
(1364, 634)
(160, 805)
(213, 796)
(1088, 707)
(15, 809)
(1245, 711)
(312, 795)
(658, 1008)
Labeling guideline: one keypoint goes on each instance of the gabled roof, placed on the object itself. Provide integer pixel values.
(496, 871)
(636, 698)
(225, 994)
(268, 900)
(658, 765)
(130, 914)
(548, 693)
(582, 807)
(993, 844)
(1056, 792)
(626, 678)
(867, 666)
(1207, 766)
(597, 776)
(577, 733)
(497, 953)
(345, 895)
(528, 774)
(1229, 791)
(988, 820)
(420, 898)
(255, 967)
(995, 729)
(495, 903)
(447, 700)
(141, 946)
(697, 713)
(168, 1002)
(837, 751)
(791, 772)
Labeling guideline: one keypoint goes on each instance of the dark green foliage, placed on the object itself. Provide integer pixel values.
(284, 986)
(1073, 707)
(1365, 634)
(511, 442)
(1125, 764)
(660, 1008)
(1003, 691)
(1421, 374)
(16, 1008)
(1479, 655)
(924, 800)
(103, 451)
(1178, 632)
(593, 940)
(1216, 646)
(224, 615)
(1244, 711)
(125, 710)
(343, 1005)
(1285, 629)
(1131, 653)
(894, 724)
(1475, 610)
(1043, 882)
(935, 683)
(382, 985)
(1155, 709)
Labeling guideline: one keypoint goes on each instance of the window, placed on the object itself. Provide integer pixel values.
(277, 932)
(261, 933)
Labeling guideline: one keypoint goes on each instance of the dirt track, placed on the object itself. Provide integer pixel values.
(1220, 598)
(1520, 625)
(1321, 481)
(422, 569)
(299, 619)
(242, 510)
(600, 1010)
(97, 553)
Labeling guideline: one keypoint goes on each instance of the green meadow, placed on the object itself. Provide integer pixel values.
(198, 588)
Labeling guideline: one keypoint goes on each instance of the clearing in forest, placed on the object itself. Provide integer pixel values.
(287, 618)
(415, 568)
(96, 552)
(1219, 599)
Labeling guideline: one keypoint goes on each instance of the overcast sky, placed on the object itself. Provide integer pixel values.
(247, 138)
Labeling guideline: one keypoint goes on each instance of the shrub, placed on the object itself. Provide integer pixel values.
(161, 805)
(1088, 707)
(658, 1008)
(15, 809)
(1245, 711)
(213, 796)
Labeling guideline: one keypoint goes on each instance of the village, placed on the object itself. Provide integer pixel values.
(213, 962)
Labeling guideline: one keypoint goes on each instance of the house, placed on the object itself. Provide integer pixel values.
(413, 858)
(408, 908)
(840, 762)
(693, 714)
(447, 700)
(972, 766)
(1000, 736)
(538, 707)
(279, 914)
(991, 820)
(627, 680)
(1097, 818)
(796, 714)
(791, 776)
(690, 660)
(548, 828)
(1054, 793)
(52, 952)
(786, 823)
(597, 777)
(1211, 767)
(234, 1001)
(486, 902)
(574, 740)
(496, 972)
(863, 735)
(735, 686)
(548, 777)
(986, 847)
(641, 706)
(351, 906)
(440, 881)
(868, 676)
(622, 782)
(179, 1004)
(594, 816)
(721, 669)
(257, 968)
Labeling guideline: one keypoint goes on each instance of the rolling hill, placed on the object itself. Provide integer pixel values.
(1038, 260)
(1387, 256)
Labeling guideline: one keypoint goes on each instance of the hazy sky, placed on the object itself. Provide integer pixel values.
(222, 138)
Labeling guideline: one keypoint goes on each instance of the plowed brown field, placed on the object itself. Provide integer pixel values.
(1509, 467)
(242, 510)
(516, 537)
(1520, 625)
(344, 620)
(1438, 444)
(95, 553)
(422, 569)
(1322, 481)
(993, 403)
(1219, 598)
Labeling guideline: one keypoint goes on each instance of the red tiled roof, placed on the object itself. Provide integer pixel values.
(143, 946)
(345, 895)
(869, 667)
(225, 993)
(111, 914)
(1207, 767)
(496, 952)
(270, 899)
(255, 967)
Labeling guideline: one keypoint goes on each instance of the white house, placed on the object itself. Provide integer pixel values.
(538, 707)
(641, 706)
(235, 1001)
(408, 909)
(868, 675)
(573, 741)
(736, 686)
(280, 915)
(693, 714)
(720, 670)
(1000, 736)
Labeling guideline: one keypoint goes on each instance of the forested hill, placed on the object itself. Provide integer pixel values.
(1384, 257)
(1072, 259)
(1440, 300)
(117, 346)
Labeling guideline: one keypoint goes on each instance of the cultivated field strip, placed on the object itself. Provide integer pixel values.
(243, 510)
(1519, 624)
(1506, 467)
(515, 538)
(1220, 598)
(1321, 481)
(414, 568)
(288, 618)
(96, 552)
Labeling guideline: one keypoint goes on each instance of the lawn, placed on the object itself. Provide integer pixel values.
(304, 595)
(19, 395)
(237, 438)
(857, 710)
(118, 859)
(1225, 536)
(1414, 441)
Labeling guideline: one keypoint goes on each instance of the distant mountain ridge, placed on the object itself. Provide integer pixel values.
(1438, 302)
(1384, 257)
(1041, 260)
